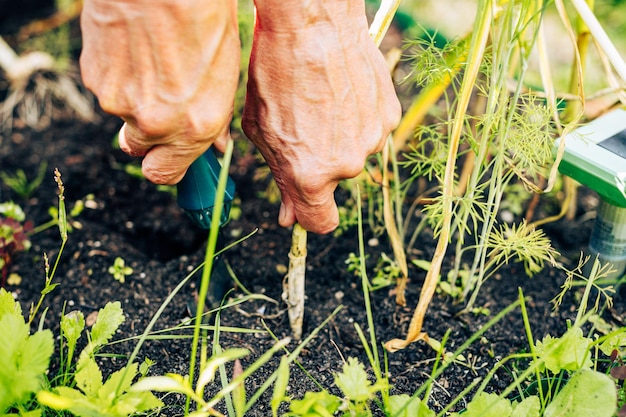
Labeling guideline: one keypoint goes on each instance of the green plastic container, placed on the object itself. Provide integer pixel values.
(595, 156)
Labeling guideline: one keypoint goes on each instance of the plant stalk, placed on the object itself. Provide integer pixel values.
(477, 49)
(295, 280)
(392, 228)
(596, 29)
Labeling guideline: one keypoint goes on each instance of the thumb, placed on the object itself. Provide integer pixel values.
(132, 142)
(165, 164)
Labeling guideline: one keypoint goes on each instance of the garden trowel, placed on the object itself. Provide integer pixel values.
(196, 195)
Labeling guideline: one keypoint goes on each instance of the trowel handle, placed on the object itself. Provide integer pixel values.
(198, 188)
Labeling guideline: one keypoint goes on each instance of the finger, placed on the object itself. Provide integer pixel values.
(322, 217)
(221, 142)
(164, 165)
(287, 214)
(132, 142)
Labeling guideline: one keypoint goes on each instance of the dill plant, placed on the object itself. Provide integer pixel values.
(506, 137)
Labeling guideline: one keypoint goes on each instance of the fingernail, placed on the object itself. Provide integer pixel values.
(282, 213)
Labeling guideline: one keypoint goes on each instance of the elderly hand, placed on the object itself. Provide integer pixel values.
(169, 69)
(320, 100)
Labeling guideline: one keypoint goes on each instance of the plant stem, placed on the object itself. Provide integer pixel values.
(208, 259)
(383, 19)
(478, 44)
(392, 226)
(295, 280)
(601, 37)
(366, 293)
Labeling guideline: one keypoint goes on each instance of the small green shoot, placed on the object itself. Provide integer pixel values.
(120, 270)
(569, 352)
(358, 394)
(20, 183)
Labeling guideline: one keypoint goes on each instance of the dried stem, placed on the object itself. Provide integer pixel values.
(295, 280)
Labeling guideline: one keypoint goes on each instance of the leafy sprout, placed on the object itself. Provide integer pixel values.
(120, 270)
(20, 183)
(530, 246)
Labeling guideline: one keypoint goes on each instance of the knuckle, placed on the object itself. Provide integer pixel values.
(352, 167)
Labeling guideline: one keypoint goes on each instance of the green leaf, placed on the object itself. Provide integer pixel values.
(406, 406)
(212, 365)
(166, 383)
(88, 377)
(280, 386)
(135, 402)
(8, 305)
(529, 407)
(316, 404)
(109, 320)
(12, 211)
(569, 352)
(487, 405)
(110, 387)
(353, 382)
(23, 360)
(36, 352)
(105, 403)
(48, 289)
(615, 342)
(72, 325)
(588, 393)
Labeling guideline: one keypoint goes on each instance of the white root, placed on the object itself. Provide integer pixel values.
(294, 293)
(36, 90)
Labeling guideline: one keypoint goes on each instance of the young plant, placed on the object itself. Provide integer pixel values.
(504, 136)
(20, 183)
(93, 395)
(120, 270)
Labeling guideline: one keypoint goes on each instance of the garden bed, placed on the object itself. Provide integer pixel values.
(127, 219)
(130, 218)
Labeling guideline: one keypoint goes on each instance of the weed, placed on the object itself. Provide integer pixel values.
(92, 395)
(120, 270)
(20, 183)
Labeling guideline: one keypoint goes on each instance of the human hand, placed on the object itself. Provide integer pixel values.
(170, 70)
(320, 100)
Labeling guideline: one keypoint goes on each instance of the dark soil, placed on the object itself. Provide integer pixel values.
(130, 218)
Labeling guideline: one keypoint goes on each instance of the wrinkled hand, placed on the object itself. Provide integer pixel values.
(169, 69)
(320, 100)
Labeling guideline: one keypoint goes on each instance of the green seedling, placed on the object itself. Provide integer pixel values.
(358, 392)
(91, 395)
(387, 272)
(120, 270)
(358, 396)
(20, 183)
